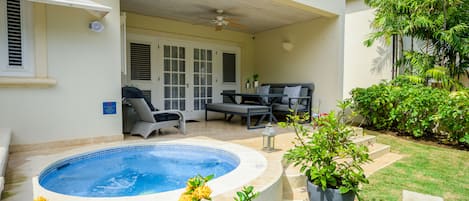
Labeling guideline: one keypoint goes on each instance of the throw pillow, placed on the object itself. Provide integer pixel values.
(291, 92)
(264, 90)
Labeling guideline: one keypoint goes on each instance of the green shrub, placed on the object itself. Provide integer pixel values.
(407, 107)
(413, 113)
(453, 116)
(374, 104)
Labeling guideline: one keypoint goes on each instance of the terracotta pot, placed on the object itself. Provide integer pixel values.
(316, 193)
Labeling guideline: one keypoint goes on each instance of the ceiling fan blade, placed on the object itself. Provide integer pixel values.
(237, 25)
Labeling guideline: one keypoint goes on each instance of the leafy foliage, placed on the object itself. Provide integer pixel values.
(453, 116)
(246, 194)
(441, 27)
(328, 157)
(413, 113)
(411, 108)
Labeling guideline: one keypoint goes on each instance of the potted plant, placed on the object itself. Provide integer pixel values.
(255, 79)
(248, 83)
(328, 158)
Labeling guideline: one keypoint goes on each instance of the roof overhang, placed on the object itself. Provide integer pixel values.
(94, 8)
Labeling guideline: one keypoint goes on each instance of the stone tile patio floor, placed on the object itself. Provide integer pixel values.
(22, 165)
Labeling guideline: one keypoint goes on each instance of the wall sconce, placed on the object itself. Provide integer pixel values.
(268, 138)
(96, 26)
(287, 46)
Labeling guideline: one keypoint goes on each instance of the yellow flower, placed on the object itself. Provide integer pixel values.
(202, 192)
(40, 198)
(185, 197)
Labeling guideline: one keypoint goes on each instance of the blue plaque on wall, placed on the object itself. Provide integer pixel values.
(109, 108)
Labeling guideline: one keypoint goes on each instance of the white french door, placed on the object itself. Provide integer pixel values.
(176, 75)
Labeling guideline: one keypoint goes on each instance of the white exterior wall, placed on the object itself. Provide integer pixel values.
(316, 56)
(86, 66)
(363, 66)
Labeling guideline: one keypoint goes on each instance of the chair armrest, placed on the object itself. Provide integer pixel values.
(169, 111)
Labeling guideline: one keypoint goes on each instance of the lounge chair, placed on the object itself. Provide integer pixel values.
(149, 120)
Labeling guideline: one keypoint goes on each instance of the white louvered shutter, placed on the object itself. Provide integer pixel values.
(140, 61)
(15, 55)
(16, 38)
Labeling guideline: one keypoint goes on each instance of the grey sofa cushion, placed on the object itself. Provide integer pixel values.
(236, 108)
(285, 108)
(291, 92)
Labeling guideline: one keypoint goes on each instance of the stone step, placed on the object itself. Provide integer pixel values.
(377, 150)
(366, 140)
(357, 131)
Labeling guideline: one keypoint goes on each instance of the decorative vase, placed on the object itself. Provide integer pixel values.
(256, 84)
(315, 193)
(248, 85)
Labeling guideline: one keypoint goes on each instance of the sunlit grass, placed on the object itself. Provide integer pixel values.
(425, 169)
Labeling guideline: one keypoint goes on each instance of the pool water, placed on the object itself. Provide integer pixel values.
(135, 170)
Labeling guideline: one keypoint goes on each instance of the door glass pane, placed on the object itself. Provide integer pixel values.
(182, 79)
(167, 66)
(196, 66)
(196, 92)
(182, 53)
(167, 104)
(202, 92)
(167, 92)
(209, 67)
(196, 53)
(202, 80)
(175, 92)
(196, 79)
(182, 66)
(174, 65)
(174, 52)
(209, 91)
(182, 105)
(202, 67)
(167, 78)
(182, 92)
(209, 79)
(202, 54)
(196, 104)
(209, 55)
(174, 79)
(166, 51)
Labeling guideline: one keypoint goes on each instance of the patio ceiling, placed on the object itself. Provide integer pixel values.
(255, 15)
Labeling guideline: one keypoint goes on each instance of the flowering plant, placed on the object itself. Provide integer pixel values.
(40, 198)
(197, 189)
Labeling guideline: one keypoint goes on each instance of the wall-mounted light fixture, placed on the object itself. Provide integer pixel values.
(96, 26)
(287, 46)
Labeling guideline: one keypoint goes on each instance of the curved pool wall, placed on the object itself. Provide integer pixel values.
(135, 170)
(251, 165)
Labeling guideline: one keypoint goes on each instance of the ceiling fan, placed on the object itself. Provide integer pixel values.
(221, 21)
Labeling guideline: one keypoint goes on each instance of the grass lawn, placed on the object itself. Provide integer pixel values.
(425, 169)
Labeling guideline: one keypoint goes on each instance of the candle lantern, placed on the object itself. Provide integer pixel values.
(268, 138)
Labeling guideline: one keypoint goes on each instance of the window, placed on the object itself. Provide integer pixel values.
(16, 39)
(229, 67)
